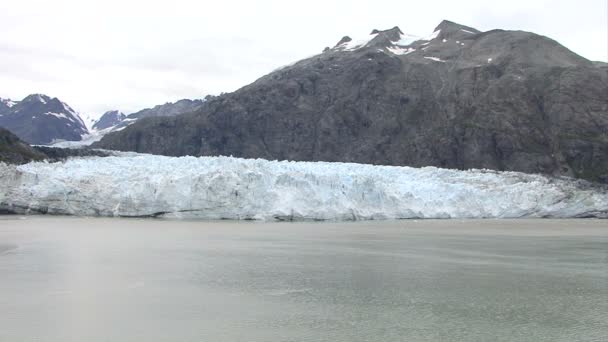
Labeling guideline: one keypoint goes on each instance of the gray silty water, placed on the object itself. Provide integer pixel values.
(73, 279)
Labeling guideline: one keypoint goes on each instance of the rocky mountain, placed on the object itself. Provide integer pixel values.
(5, 105)
(117, 120)
(15, 151)
(40, 119)
(168, 109)
(460, 98)
(109, 119)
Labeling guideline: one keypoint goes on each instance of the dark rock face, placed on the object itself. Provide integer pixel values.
(502, 100)
(168, 109)
(109, 119)
(39, 119)
(15, 151)
(55, 154)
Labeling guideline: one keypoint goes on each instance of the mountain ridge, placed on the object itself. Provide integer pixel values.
(41, 119)
(502, 100)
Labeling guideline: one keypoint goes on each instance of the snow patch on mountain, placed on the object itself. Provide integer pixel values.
(356, 43)
(8, 102)
(432, 36)
(400, 51)
(436, 59)
(58, 115)
(41, 98)
(231, 188)
(406, 40)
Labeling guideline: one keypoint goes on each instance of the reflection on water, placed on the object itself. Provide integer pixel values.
(73, 279)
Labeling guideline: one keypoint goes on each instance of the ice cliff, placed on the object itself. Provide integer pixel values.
(231, 188)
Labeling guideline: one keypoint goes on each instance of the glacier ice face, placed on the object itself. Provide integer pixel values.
(232, 188)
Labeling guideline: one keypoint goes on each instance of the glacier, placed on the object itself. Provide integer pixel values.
(135, 185)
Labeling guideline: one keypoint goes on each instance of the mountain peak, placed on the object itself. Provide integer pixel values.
(449, 27)
(109, 119)
(113, 112)
(395, 32)
(37, 98)
(7, 102)
(377, 39)
(41, 119)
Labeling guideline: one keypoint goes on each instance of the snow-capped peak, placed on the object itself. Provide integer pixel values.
(44, 99)
(392, 40)
(395, 41)
(8, 102)
(109, 119)
(349, 44)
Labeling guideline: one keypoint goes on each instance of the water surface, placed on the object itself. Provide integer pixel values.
(79, 279)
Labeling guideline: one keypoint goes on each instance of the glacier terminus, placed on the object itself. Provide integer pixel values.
(137, 185)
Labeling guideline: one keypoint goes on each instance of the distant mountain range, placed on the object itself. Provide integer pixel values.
(459, 98)
(109, 119)
(116, 120)
(40, 119)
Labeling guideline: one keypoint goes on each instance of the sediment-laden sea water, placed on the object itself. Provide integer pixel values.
(96, 279)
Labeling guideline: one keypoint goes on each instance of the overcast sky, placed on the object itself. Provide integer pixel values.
(98, 55)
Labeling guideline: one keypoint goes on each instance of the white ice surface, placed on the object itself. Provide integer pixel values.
(357, 42)
(87, 140)
(224, 187)
(406, 39)
(92, 136)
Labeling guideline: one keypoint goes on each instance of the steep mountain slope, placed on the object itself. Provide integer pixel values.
(164, 110)
(168, 109)
(460, 98)
(39, 119)
(15, 151)
(109, 119)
